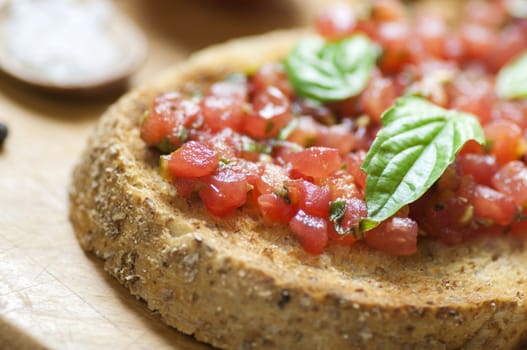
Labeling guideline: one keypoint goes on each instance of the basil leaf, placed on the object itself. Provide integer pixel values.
(331, 71)
(517, 8)
(511, 81)
(413, 149)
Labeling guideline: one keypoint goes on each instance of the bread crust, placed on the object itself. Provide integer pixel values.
(241, 283)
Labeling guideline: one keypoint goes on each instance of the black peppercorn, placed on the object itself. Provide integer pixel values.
(3, 133)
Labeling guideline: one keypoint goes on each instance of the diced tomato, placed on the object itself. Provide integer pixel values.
(378, 97)
(513, 111)
(505, 138)
(275, 208)
(432, 31)
(481, 166)
(394, 38)
(306, 133)
(451, 178)
(272, 178)
(511, 180)
(472, 93)
(272, 74)
(271, 112)
(309, 197)
(193, 159)
(388, 10)
(311, 231)
(225, 105)
(396, 236)
(316, 161)
(337, 21)
(226, 143)
(224, 191)
(342, 185)
(477, 40)
(169, 115)
(492, 205)
(355, 210)
(490, 14)
(338, 136)
(353, 166)
(511, 41)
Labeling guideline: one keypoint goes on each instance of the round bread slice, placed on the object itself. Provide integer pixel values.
(241, 283)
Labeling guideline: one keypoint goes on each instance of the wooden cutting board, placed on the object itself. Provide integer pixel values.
(52, 295)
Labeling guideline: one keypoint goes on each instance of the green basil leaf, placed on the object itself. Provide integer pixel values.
(413, 149)
(337, 209)
(331, 71)
(511, 81)
(517, 8)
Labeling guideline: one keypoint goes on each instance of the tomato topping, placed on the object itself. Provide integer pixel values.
(504, 140)
(225, 105)
(193, 159)
(337, 21)
(482, 167)
(378, 97)
(327, 161)
(309, 197)
(275, 208)
(252, 140)
(271, 113)
(512, 181)
(396, 236)
(492, 205)
(168, 119)
(311, 231)
(224, 191)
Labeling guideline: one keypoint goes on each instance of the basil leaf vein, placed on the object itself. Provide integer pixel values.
(413, 149)
(331, 71)
(511, 81)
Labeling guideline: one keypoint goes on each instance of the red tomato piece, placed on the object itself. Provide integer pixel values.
(317, 162)
(311, 231)
(511, 180)
(481, 166)
(492, 205)
(378, 97)
(225, 105)
(396, 236)
(337, 21)
(505, 138)
(224, 191)
(193, 159)
(477, 40)
(309, 197)
(306, 133)
(271, 112)
(338, 136)
(342, 185)
(353, 166)
(168, 116)
(275, 208)
(388, 10)
(272, 178)
(272, 74)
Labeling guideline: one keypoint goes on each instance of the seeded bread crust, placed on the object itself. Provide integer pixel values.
(241, 283)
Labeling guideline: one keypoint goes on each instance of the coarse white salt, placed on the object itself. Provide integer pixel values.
(63, 41)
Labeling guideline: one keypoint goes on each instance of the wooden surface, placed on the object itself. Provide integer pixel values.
(52, 295)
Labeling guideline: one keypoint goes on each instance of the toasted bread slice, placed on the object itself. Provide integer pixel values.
(241, 283)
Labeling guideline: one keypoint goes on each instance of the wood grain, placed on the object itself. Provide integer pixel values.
(52, 295)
